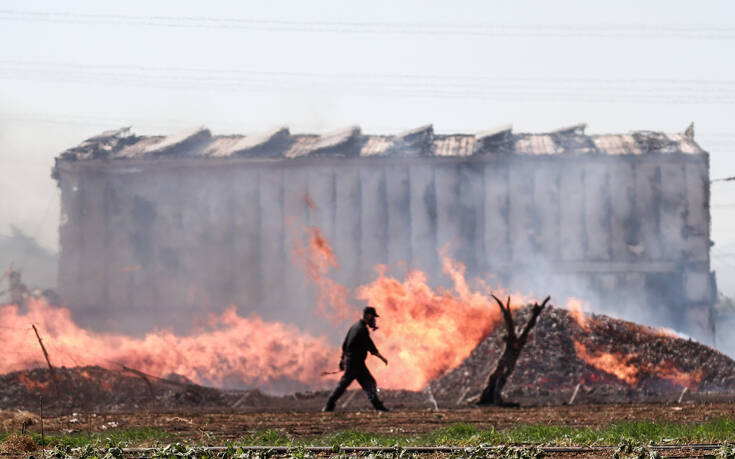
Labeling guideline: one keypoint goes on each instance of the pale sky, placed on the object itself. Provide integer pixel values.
(73, 69)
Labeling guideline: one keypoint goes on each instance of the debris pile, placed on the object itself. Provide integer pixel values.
(94, 388)
(610, 360)
(595, 358)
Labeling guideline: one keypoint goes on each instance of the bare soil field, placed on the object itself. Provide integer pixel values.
(305, 424)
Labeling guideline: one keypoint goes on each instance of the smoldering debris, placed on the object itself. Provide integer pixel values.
(610, 360)
(96, 389)
(597, 358)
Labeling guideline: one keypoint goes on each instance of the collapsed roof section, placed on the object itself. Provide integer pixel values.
(122, 144)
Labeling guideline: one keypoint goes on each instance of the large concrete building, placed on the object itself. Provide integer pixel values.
(157, 230)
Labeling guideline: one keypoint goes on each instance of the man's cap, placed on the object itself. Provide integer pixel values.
(370, 309)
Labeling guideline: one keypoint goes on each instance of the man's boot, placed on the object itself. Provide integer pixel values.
(379, 406)
(329, 406)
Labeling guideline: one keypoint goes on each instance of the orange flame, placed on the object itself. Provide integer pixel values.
(31, 384)
(309, 201)
(237, 351)
(664, 332)
(576, 310)
(669, 372)
(424, 331)
(615, 364)
(318, 259)
(620, 365)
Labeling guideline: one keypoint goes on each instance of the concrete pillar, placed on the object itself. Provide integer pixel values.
(648, 201)
(673, 210)
(374, 219)
(398, 191)
(271, 241)
(246, 251)
(348, 226)
(496, 216)
(424, 224)
(523, 225)
(697, 230)
(446, 180)
(470, 210)
(573, 232)
(623, 221)
(547, 206)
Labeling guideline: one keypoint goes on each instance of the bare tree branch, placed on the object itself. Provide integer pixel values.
(491, 395)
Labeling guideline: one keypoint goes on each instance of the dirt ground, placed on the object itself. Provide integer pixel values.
(306, 424)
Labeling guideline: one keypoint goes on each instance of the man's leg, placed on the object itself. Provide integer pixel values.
(344, 382)
(370, 387)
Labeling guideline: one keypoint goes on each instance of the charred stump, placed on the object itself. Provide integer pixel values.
(513, 346)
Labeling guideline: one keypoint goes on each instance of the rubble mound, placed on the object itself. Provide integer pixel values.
(611, 360)
(99, 389)
(96, 389)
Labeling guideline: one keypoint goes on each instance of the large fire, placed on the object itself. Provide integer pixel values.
(235, 351)
(318, 258)
(423, 332)
(615, 364)
(626, 366)
(427, 331)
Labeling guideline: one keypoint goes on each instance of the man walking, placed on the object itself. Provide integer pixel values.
(354, 351)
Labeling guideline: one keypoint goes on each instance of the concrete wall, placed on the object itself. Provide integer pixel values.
(161, 242)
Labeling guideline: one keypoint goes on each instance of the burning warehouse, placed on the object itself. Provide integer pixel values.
(158, 230)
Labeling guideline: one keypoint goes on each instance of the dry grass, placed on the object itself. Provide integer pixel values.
(18, 443)
(17, 420)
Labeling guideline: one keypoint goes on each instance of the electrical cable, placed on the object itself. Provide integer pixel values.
(487, 30)
(571, 96)
(117, 68)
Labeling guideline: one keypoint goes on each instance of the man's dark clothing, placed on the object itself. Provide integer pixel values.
(355, 347)
(358, 343)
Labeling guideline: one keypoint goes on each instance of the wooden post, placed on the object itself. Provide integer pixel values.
(48, 361)
(574, 394)
(43, 438)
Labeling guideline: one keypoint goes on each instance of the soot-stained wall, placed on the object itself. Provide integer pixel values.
(161, 242)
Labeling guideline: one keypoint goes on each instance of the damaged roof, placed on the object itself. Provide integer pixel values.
(122, 144)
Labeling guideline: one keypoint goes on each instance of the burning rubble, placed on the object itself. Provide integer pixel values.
(611, 360)
(233, 352)
(442, 341)
(95, 388)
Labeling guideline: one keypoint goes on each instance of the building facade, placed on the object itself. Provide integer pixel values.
(158, 230)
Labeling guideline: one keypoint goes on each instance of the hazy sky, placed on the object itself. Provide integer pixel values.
(71, 70)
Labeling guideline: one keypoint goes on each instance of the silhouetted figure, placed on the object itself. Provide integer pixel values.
(356, 345)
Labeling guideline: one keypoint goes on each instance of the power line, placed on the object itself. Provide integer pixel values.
(412, 77)
(486, 30)
(665, 90)
(363, 75)
(497, 93)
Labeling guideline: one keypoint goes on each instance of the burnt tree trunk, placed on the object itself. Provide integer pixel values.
(513, 346)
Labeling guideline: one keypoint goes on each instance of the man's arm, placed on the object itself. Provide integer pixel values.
(380, 356)
(345, 345)
(374, 350)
